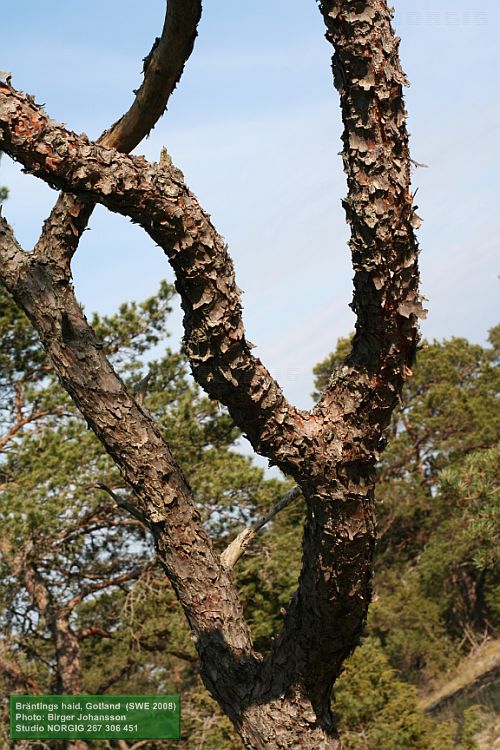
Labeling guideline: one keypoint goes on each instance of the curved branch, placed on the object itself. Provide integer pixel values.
(163, 68)
(156, 198)
(332, 451)
(334, 588)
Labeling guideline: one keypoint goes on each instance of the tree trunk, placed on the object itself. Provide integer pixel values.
(471, 606)
(68, 669)
(281, 700)
(286, 723)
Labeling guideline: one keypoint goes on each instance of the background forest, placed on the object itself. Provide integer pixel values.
(85, 608)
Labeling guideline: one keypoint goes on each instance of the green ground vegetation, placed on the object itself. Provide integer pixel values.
(71, 552)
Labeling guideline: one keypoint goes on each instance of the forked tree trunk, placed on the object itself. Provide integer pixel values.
(281, 700)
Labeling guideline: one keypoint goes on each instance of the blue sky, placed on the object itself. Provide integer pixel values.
(255, 127)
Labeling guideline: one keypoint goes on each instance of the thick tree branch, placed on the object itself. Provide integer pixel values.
(91, 631)
(331, 452)
(335, 582)
(133, 440)
(152, 196)
(163, 68)
(228, 663)
(68, 673)
(36, 587)
(379, 209)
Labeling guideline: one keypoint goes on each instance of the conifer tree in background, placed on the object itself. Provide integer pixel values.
(85, 607)
(437, 553)
(279, 698)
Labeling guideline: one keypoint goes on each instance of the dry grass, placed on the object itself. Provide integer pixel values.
(480, 668)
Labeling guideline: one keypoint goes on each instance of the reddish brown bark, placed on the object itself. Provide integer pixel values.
(283, 699)
(16, 677)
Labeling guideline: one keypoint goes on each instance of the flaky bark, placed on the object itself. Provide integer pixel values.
(334, 588)
(163, 68)
(282, 700)
(153, 196)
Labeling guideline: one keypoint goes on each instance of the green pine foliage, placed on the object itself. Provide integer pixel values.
(436, 586)
(378, 710)
(324, 369)
(269, 572)
(60, 528)
(437, 577)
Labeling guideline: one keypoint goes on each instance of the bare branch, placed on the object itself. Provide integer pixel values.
(330, 452)
(36, 587)
(21, 422)
(418, 164)
(184, 656)
(334, 586)
(93, 588)
(368, 75)
(122, 502)
(124, 671)
(163, 68)
(91, 631)
(240, 544)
